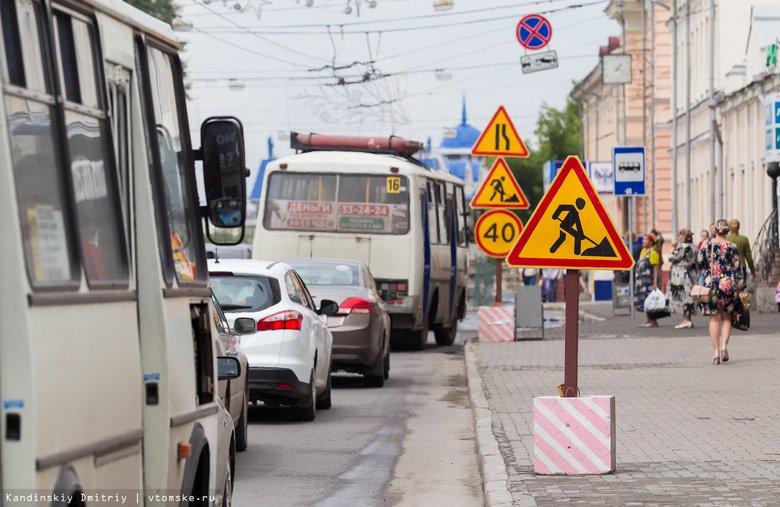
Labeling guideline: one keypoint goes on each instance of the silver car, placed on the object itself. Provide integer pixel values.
(361, 327)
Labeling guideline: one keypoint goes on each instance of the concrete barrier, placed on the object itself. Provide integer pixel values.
(574, 436)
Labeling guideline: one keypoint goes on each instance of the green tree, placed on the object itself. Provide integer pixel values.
(164, 10)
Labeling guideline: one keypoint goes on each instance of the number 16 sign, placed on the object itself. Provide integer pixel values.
(496, 231)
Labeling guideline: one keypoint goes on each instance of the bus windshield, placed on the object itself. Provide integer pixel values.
(376, 204)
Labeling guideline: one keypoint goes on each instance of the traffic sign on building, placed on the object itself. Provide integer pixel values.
(500, 189)
(772, 112)
(570, 228)
(500, 138)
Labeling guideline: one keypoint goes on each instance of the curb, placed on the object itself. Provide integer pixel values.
(491, 463)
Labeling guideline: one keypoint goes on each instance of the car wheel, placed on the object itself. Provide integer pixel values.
(446, 336)
(309, 412)
(242, 428)
(227, 494)
(323, 400)
(375, 376)
(386, 368)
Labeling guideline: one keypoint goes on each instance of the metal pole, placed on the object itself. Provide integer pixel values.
(499, 282)
(644, 93)
(688, 113)
(571, 334)
(652, 113)
(713, 166)
(674, 117)
(630, 249)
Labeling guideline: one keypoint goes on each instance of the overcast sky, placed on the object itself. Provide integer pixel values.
(284, 53)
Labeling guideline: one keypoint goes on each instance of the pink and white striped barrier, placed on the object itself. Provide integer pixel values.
(574, 436)
(496, 324)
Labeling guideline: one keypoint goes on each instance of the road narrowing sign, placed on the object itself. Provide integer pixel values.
(570, 228)
(499, 190)
(500, 138)
(496, 231)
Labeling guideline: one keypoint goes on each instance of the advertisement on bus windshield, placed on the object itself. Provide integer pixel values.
(338, 203)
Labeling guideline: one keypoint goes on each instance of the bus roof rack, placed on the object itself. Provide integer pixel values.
(392, 145)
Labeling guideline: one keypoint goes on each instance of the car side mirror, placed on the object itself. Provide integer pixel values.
(328, 307)
(228, 368)
(244, 325)
(224, 173)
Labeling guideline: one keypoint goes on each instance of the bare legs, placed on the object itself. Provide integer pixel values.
(720, 332)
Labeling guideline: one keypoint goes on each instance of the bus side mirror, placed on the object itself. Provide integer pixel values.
(224, 172)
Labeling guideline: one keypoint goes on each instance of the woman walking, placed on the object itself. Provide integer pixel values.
(719, 261)
(647, 269)
(681, 277)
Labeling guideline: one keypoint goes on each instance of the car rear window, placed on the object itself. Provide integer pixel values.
(326, 273)
(245, 293)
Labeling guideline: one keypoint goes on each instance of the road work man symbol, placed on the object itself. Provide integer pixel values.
(498, 189)
(571, 225)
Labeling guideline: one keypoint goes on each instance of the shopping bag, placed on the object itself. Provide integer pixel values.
(655, 301)
(740, 319)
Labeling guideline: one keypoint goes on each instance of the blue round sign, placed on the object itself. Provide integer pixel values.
(534, 31)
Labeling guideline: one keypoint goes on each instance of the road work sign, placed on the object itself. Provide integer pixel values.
(500, 138)
(570, 228)
(500, 189)
(496, 231)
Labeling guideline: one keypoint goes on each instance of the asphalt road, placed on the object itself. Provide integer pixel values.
(410, 442)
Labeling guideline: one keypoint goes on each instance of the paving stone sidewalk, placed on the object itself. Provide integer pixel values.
(688, 432)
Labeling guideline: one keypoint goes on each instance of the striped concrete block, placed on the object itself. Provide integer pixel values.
(496, 324)
(574, 436)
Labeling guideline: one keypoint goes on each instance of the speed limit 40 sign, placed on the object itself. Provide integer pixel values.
(496, 231)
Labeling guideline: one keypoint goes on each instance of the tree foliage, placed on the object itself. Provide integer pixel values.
(164, 10)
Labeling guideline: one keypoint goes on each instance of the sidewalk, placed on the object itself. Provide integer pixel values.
(688, 432)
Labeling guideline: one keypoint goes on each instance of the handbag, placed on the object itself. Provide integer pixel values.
(699, 292)
(740, 319)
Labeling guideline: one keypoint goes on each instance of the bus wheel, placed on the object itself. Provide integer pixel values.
(418, 339)
(446, 336)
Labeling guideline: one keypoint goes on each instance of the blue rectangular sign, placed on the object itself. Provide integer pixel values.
(629, 170)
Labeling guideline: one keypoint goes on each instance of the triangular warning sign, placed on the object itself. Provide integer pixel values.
(500, 189)
(500, 138)
(570, 228)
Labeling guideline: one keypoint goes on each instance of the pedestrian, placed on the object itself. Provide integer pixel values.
(681, 278)
(705, 235)
(743, 246)
(550, 283)
(659, 245)
(529, 276)
(718, 259)
(646, 275)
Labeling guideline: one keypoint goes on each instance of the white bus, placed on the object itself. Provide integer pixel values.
(107, 358)
(368, 199)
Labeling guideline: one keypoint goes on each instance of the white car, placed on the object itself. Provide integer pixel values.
(289, 353)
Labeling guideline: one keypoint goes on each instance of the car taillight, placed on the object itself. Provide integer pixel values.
(283, 320)
(355, 305)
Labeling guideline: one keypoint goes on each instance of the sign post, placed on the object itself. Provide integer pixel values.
(570, 229)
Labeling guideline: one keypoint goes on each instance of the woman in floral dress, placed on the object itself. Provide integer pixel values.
(646, 277)
(719, 261)
(681, 277)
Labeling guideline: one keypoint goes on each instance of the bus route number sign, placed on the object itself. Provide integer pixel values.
(496, 231)
(393, 185)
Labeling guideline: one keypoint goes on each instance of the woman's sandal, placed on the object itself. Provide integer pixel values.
(716, 360)
(724, 355)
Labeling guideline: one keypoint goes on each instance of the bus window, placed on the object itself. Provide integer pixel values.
(337, 203)
(92, 167)
(442, 212)
(176, 213)
(460, 216)
(47, 227)
(433, 221)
